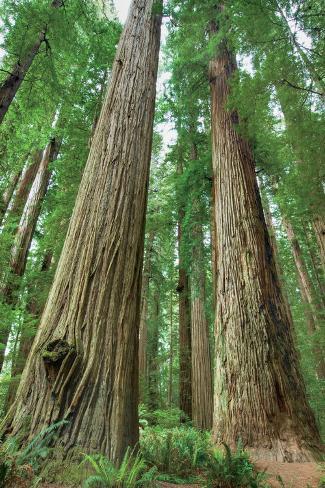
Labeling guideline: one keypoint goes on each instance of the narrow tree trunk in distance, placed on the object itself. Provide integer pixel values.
(7, 195)
(11, 84)
(305, 282)
(153, 365)
(143, 331)
(319, 229)
(202, 396)
(185, 347)
(24, 185)
(259, 392)
(171, 351)
(34, 308)
(25, 232)
(91, 319)
(307, 296)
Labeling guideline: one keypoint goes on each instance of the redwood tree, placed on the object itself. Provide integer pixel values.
(83, 366)
(259, 392)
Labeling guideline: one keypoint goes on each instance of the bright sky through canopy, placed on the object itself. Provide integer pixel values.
(122, 7)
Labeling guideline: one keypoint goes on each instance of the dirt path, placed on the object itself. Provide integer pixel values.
(294, 475)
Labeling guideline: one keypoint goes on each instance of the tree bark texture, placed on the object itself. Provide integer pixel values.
(307, 295)
(202, 393)
(25, 230)
(83, 366)
(185, 343)
(11, 84)
(143, 332)
(319, 229)
(153, 364)
(259, 391)
(7, 195)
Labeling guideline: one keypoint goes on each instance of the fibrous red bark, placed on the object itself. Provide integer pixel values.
(83, 366)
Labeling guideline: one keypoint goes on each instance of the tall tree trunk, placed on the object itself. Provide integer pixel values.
(7, 195)
(24, 184)
(319, 229)
(307, 295)
(153, 365)
(143, 330)
(259, 392)
(83, 366)
(306, 285)
(202, 396)
(25, 232)
(171, 350)
(214, 257)
(34, 309)
(183, 289)
(11, 84)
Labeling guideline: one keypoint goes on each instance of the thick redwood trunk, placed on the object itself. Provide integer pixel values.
(259, 392)
(183, 289)
(84, 362)
(26, 228)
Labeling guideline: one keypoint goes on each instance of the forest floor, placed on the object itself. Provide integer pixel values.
(294, 475)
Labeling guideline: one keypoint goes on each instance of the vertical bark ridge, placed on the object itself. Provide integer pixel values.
(91, 319)
(259, 391)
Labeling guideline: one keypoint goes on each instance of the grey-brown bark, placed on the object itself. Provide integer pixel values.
(311, 308)
(11, 84)
(185, 347)
(153, 365)
(319, 229)
(91, 320)
(7, 195)
(202, 393)
(171, 350)
(259, 392)
(26, 228)
(143, 331)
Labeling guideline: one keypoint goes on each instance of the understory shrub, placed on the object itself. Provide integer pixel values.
(132, 472)
(179, 452)
(165, 418)
(227, 469)
(17, 465)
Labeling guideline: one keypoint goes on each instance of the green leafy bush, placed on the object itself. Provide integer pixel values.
(132, 472)
(167, 419)
(227, 469)
(24, 463)
(179, 452)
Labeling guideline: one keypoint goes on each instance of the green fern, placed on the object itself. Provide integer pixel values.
(131, 473)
